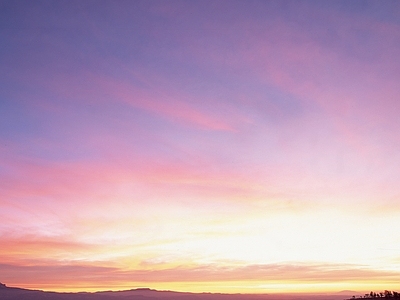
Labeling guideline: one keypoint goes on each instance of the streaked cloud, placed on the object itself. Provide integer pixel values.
(192, 143)
(76, 274)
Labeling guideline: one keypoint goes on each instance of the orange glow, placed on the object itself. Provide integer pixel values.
(238, 146)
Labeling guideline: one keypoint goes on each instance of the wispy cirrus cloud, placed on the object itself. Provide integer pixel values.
(192, 134)
(88, 274)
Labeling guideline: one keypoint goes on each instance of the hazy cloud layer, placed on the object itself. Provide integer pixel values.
(200, 141)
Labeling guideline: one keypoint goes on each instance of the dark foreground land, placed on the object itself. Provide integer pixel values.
(14, 293)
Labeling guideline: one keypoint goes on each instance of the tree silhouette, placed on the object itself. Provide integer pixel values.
(386, 294)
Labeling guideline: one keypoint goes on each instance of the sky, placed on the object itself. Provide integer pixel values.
(218, 146)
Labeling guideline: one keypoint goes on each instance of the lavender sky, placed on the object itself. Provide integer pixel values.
(232, 146)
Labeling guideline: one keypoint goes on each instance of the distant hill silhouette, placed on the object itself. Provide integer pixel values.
(14, 293)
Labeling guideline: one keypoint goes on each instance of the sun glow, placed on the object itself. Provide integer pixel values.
(198, 146)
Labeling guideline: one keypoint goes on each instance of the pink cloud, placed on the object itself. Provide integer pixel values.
(162, 100)
(86, 168)
(353, 93)
(344, 83)
(31, 249)
(171, 105)
(67, 274)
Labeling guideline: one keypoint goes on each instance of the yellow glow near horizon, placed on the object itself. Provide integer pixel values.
(216, 146)
(231, 287)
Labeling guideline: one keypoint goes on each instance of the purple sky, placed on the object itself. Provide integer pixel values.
(200, 145)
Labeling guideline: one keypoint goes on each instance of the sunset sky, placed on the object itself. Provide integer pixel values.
(219, 146)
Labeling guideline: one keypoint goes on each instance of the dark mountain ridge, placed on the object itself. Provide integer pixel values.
(15, 293)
